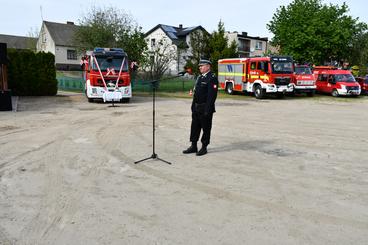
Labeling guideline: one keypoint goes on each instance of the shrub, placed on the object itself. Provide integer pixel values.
(31, 73)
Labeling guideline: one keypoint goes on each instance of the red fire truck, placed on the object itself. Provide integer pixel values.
(107, 75)
(336, 82)
(258, 75)
(304, 80)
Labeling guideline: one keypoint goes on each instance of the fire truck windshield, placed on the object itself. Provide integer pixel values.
(282, 67)
(303, 70)
(110, 63)
(344, 78)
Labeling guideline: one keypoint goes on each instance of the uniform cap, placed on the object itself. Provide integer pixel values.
(205, 62)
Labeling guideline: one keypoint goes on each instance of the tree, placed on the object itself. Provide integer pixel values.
(159, 58)
(315, 32)
(219, 46)
(199, 48)
(214, 47)
(110, 27)
(359, 52)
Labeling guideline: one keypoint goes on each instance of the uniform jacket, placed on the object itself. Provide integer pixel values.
(205, 92)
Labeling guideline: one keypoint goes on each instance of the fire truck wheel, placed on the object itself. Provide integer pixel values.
(310, 94)
(259, 92)
(90, 100)
(335, 93)
(229, 88)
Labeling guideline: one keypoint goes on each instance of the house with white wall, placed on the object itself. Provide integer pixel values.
(57, 38)
(248, 46)
(178, 40)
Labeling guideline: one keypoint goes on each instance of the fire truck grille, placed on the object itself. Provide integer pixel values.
(282, 80)
(352, 88)
(99, 81)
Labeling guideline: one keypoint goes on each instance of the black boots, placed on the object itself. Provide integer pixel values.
(202, 151)
(192, 149)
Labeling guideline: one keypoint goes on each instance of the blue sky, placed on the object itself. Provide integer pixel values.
(19, 17)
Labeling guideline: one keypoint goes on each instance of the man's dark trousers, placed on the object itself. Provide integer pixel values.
(201, 121)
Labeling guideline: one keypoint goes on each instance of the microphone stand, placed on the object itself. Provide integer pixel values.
(154, 87)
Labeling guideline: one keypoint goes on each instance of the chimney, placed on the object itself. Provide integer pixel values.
(180, 26)
(245, 33)
(70, 23)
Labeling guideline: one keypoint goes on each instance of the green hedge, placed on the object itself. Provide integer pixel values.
(31, 73)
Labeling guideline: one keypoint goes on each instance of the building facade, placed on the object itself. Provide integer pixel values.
(57, 38)
(176, 42)
(248, 46)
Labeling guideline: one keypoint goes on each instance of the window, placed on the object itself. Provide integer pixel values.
(253, 66)
(110, 63)
(260, 65)
(331, 79)
(322, 77)
(153, 42)
(263, 66)
(282, 67)
(259, 45)
(71, 54)
(244, 45)
(303, 70)
(344, 78)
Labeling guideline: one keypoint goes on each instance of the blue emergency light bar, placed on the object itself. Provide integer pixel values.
(100, 50)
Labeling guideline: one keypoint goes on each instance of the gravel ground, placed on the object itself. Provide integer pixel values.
(291, 171)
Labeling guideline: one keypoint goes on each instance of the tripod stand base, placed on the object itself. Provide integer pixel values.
(153, 156)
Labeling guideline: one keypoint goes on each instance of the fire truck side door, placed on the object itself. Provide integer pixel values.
(253, 71)
(260, 65)
(262, 68)
(322, 82)
(330, 83)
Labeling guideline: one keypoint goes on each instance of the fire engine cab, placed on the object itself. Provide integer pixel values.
(304, 80)
(107, 75)
(258, 75)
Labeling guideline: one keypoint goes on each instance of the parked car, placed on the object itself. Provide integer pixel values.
(337, 82)
(363, 82)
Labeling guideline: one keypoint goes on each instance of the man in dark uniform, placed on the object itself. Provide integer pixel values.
(203, 107)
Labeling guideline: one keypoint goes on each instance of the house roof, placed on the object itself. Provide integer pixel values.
(62, 34)
(176, 34)
(18, 42)
(245, 35)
